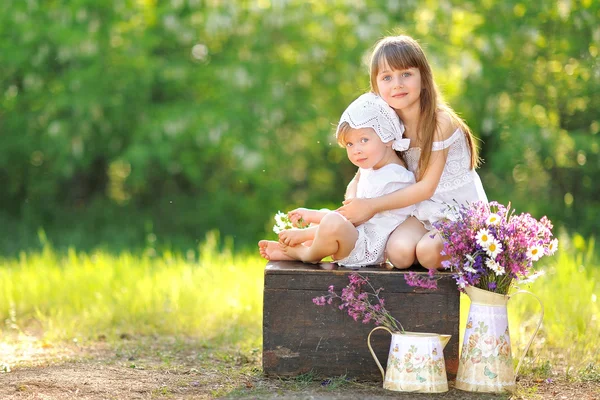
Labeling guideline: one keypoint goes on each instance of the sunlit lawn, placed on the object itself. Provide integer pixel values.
(216, 296)
(213, 295)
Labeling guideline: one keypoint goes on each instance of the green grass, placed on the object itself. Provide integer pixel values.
(570, 293)
(215, 295)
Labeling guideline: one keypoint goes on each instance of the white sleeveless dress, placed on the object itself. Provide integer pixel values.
(458, 183)
(373, 234)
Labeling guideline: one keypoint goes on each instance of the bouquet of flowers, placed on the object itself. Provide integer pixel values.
(360, 305)
(489, 247)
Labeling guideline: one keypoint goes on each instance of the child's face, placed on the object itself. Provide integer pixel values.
(365, 149)
(401, 89)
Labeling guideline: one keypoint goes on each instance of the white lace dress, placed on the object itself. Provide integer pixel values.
(373, 234)
(458, 183)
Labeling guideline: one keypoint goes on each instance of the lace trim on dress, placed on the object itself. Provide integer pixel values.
(457, 171)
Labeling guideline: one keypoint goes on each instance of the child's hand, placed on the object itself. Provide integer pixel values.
(300, 217)
(356, 211)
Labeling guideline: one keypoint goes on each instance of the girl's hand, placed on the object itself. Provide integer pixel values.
(300, 217)
(357, 211)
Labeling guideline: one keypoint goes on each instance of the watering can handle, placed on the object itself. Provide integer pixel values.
(536, 328)
(371, 349)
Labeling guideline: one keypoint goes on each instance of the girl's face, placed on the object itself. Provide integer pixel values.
(365, 149)
(400, 88)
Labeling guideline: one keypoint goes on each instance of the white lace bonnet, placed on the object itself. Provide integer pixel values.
(371, 111)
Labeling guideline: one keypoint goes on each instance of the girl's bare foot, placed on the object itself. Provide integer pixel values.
(272, 250)
(300, 253)
(293, 237)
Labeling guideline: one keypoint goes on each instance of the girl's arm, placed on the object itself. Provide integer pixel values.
(352, 186)
(358, 211)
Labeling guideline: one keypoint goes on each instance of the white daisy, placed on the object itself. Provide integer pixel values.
(470, 269)
(531, 278)
(493, 248)
(282, 222)
(280, 218)
(493, 219)
(535, 253)
(494, 266)
(552, 247)
(468, 265)
(484, 238)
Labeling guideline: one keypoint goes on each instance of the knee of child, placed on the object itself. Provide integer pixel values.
(428, 254)
(399, 254)
(331, 224)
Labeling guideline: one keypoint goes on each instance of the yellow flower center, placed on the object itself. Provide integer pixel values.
(484, 238)
(492, 247)
(534, 251)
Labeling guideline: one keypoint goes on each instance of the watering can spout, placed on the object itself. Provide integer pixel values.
(444, 339)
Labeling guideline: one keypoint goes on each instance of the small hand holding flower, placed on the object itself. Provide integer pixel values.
(301, 217)
(289, 228)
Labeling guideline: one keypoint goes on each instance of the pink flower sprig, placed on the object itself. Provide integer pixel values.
(361, 305)
(428, 281)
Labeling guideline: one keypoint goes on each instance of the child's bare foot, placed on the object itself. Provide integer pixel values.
(272, 250)
(293, 237)
(299, 252)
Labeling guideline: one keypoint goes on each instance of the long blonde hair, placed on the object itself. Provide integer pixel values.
(403, 52)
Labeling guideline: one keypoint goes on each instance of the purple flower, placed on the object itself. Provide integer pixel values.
(419, 280)
(366, 306)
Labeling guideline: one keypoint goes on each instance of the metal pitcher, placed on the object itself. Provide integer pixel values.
(486, 363)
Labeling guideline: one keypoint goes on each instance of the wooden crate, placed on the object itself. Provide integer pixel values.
(299, 336)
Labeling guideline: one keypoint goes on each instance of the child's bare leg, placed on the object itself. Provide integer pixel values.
(293, 237)
(402, 243)
(335, 237)
(429, 249)
(271, 250)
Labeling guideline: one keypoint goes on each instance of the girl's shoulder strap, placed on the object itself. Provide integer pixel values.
(444, 144)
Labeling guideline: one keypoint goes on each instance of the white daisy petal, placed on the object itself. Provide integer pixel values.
(493, 219)
(535, 253)
(531, 278)
(494, 266)
(493, 248)
(483, 238)
(552, 247)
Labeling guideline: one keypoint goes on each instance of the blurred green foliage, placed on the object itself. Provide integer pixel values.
(128, 123)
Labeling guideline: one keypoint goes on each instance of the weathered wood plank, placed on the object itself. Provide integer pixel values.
(299, 336)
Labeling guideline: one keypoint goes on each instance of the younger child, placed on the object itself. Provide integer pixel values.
(371, 132)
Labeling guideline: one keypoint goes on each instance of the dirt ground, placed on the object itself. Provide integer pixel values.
(179, 368)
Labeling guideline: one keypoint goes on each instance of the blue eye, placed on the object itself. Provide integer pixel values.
(364, 140)
(406, 74)
(387, 78)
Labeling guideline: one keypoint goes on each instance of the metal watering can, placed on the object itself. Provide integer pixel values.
(415, 362)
